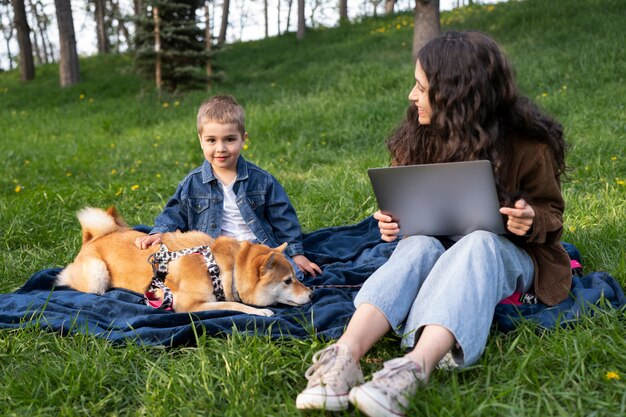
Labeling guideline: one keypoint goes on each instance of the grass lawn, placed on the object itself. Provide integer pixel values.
(318, 113)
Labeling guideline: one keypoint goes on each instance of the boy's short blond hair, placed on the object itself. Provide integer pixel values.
(222, 109)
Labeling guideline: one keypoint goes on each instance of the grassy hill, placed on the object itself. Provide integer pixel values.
(318, 113)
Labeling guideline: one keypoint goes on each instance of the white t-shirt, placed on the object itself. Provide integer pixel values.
(233, 224)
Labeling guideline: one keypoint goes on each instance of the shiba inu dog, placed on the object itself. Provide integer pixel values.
(251, 275)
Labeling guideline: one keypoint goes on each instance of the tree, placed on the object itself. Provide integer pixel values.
(42, 21)
(208, 40)
(221, 38)
(26, 63)
(389, 4)
(267, 32)
(426, 23)
(375, 4)
(116, 23)
(69, 70)
(7, 30)
(289, 6)
(278, 18)
(343, 11)
(172, 46)
(101, 27)
(301, 26)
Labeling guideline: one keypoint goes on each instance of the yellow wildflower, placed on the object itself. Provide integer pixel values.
(176, 103)
(68, 174)
(18, 188)
(614, 158)
(81, 97)
(166, 104)
(245, 147)
(612, 375)
(134, 187)
(158, 175)
(113, 171)
(620, 182)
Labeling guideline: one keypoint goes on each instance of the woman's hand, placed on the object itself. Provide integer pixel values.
(521, 217)
(307, 266)
(388, 228)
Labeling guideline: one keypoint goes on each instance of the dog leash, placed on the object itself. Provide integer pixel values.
(159, 262)
(314, 287)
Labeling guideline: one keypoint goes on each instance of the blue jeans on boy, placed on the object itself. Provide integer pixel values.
(458, 289)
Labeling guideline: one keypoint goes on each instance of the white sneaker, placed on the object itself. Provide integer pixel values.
(333, 373)
(390, 389)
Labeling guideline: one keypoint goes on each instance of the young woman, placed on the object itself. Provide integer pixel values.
(441, 299)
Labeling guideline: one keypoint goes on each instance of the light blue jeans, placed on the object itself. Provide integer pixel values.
(422, 283)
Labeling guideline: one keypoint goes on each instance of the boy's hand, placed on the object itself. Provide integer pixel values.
(145, 242)
(307, 266)
(521, 217)
(388, 228)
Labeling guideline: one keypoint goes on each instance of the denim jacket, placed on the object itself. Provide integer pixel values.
(198, 204)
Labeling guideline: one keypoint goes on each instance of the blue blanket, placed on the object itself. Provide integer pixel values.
(348, 256)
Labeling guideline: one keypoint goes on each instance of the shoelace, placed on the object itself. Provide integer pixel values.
(396, 376)
(323, 362)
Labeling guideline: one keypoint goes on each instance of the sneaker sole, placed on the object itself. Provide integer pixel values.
(318, 402)
(370, 407)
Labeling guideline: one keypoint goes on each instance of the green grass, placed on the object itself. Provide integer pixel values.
(317, 113)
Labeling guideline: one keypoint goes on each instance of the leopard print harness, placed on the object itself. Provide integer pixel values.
(160, 260)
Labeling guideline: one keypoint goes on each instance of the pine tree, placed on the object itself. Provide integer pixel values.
(182, 48)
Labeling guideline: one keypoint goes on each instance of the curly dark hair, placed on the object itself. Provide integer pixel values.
(476, 108)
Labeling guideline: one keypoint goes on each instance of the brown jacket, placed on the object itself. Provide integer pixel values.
(532, 174)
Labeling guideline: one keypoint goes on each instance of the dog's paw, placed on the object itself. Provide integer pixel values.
(266, 312)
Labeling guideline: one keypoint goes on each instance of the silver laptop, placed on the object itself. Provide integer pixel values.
(448, 199)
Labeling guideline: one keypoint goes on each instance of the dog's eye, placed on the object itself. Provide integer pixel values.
(287, 281)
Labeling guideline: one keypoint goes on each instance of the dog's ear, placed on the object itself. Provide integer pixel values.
(270, 262)
(282, 247)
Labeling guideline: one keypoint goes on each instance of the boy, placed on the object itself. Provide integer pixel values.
(228, 195)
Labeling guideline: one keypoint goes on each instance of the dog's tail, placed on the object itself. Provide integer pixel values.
(96, 222)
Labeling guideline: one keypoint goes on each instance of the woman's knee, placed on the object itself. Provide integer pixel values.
(413, 246)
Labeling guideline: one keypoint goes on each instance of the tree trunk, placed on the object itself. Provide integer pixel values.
(389, 4)
(157, 48)
(42, 25)
(278, 18)
(426, 23)
(301, 27)
(37, 49)
(221, 39)
(267, 33)
(140, 12)
(116, 14)
(288, 15)
(103, 40)
(208, 35)
(69, 70)
(26, 64)
(343, 11)
(7, 33)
